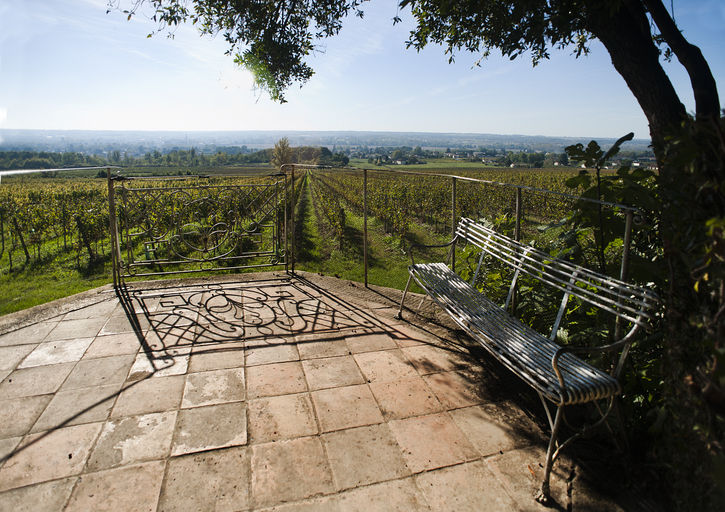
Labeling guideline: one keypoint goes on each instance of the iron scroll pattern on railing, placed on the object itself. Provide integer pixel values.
(163, 229)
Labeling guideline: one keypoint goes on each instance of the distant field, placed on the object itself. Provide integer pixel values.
(430, 164)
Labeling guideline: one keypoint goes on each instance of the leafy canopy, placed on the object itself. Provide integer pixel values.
(273, 38)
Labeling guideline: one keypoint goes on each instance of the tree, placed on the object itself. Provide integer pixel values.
(282, 153)
(273, 39)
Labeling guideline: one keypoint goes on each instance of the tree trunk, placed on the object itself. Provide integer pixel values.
(626, 36)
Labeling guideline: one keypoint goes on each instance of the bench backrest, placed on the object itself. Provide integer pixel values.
(625, 300)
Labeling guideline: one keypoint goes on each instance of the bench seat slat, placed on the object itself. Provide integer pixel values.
(523, 350)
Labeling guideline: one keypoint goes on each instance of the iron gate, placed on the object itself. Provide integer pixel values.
(173, 226)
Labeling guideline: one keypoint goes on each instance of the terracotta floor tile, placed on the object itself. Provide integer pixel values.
(271, 351)
(469, 487)
(56, 352)
(18, 415)
(430, 359)
(405, 397)
(289, 471)
(57, 454)
(48, 497)
(39, 380)
(216, 480)
(332, 372)
(275, 379)
(72, 329)
(347, 407)
(364, 455)
(453, 389)
(133, 439)
(99, 372)
(130, 488)
(394, 496)
(78, 406)
(281, 417)
(34, 333)
(430, 442)
(149, 395)
(384, 366)
(218, 356)
(113, 345)
(210, 427)
(213, 387)
(370, 343)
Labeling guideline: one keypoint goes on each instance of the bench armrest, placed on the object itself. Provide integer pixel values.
(416, 246)
(623, 344)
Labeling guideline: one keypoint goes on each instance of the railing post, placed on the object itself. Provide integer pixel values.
(115, 245)
(292, 223)
(288, 204)
(517, 229)
(625, 263)
(453, 223)
(517, 237)
(365, 225)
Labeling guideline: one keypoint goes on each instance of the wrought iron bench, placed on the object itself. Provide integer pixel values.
(558, 376)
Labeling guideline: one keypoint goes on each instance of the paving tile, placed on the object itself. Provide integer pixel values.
(492, 430)
(18, 415)
(213, 387)
(404, 398)
(55, 352)
(78, 406)
(11, 356)
(521, 473)
(72, 329)
(364, 455)
(159, 364)
(432, 441)
(40, 380)
(7, 446)
(58, 454)
(281, 417)
(347, 407)
(275, 379)
(113, 345)
(271, 351)
(4, 373)
(98, 372)
(217, 480)
(103, 308)
(289, 471)
(120, 323)
(406, 336)
(370, 342)
(454, 389)
(210, 427)
(323, 504)
(149, 395)
(332, 372)
(394, 496)
(31, 334)
(431, 359)
(469, 487)
(384, 366)
(133, 439)
(130, 488)
(312, 347)
(48, 497)
(218, 356)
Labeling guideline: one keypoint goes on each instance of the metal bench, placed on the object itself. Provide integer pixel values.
(558, 376)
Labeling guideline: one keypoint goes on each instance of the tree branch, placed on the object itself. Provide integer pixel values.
(707, 102)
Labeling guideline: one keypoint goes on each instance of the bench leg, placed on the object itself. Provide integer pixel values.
(544, 495)
(400, 311)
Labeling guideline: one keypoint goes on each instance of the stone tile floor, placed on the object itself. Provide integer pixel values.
(275, 393)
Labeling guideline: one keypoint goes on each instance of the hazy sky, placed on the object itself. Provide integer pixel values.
(66, 64)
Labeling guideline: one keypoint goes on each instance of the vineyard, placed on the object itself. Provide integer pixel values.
(55, 238)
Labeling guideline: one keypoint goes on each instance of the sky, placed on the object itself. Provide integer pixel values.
(67, 64)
